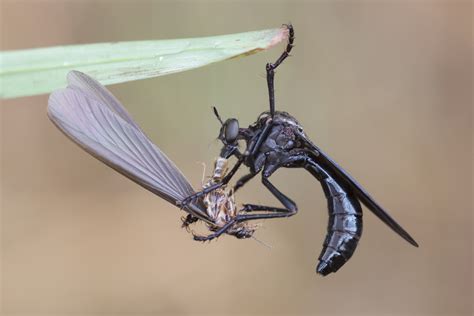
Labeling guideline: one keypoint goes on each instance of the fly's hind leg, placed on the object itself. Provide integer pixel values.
(288, 210)
(253, 207)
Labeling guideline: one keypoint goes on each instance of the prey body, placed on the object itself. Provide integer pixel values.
(221, 207)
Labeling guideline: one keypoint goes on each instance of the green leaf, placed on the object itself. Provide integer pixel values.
(42, 70)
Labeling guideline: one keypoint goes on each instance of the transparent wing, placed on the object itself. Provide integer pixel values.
(93, 118)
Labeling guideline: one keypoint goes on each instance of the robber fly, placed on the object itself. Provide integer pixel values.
(277, 140)
(93, 118)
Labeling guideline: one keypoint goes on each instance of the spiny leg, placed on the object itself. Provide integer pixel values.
(255, 207)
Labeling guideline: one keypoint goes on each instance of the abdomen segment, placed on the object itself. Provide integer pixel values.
(344, 227)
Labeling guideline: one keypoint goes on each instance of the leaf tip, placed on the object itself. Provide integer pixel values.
(281, 35)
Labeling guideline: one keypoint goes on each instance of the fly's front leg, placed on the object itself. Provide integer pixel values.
(270, 68)
(253, 151)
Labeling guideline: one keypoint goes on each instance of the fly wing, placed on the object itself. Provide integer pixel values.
(361, 193)
(93, 118)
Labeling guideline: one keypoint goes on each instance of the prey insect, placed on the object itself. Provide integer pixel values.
(220, 207)
(93, 118)
(277, 140)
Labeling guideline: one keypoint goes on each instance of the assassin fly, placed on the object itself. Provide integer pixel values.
(277, 140)
(88, 114)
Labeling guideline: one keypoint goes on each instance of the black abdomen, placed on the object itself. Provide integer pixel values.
(344, 227)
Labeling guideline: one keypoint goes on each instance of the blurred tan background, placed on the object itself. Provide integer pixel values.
(384, 87)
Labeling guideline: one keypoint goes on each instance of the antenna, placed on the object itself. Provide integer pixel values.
(217, 115)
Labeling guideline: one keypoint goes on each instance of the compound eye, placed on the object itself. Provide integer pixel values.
(231, 130)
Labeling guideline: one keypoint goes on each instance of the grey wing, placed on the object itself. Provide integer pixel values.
(93, 118)
(81, 82)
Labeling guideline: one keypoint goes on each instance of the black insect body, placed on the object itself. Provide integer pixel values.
(277, 140)
(93, 118)
(287, 146)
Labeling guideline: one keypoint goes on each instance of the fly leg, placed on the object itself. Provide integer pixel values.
(273, 162)
(243, 218)
(217, 233)
(254, 207)
(242, 181)
(289, 205)
(271, 69)
(288, 210)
